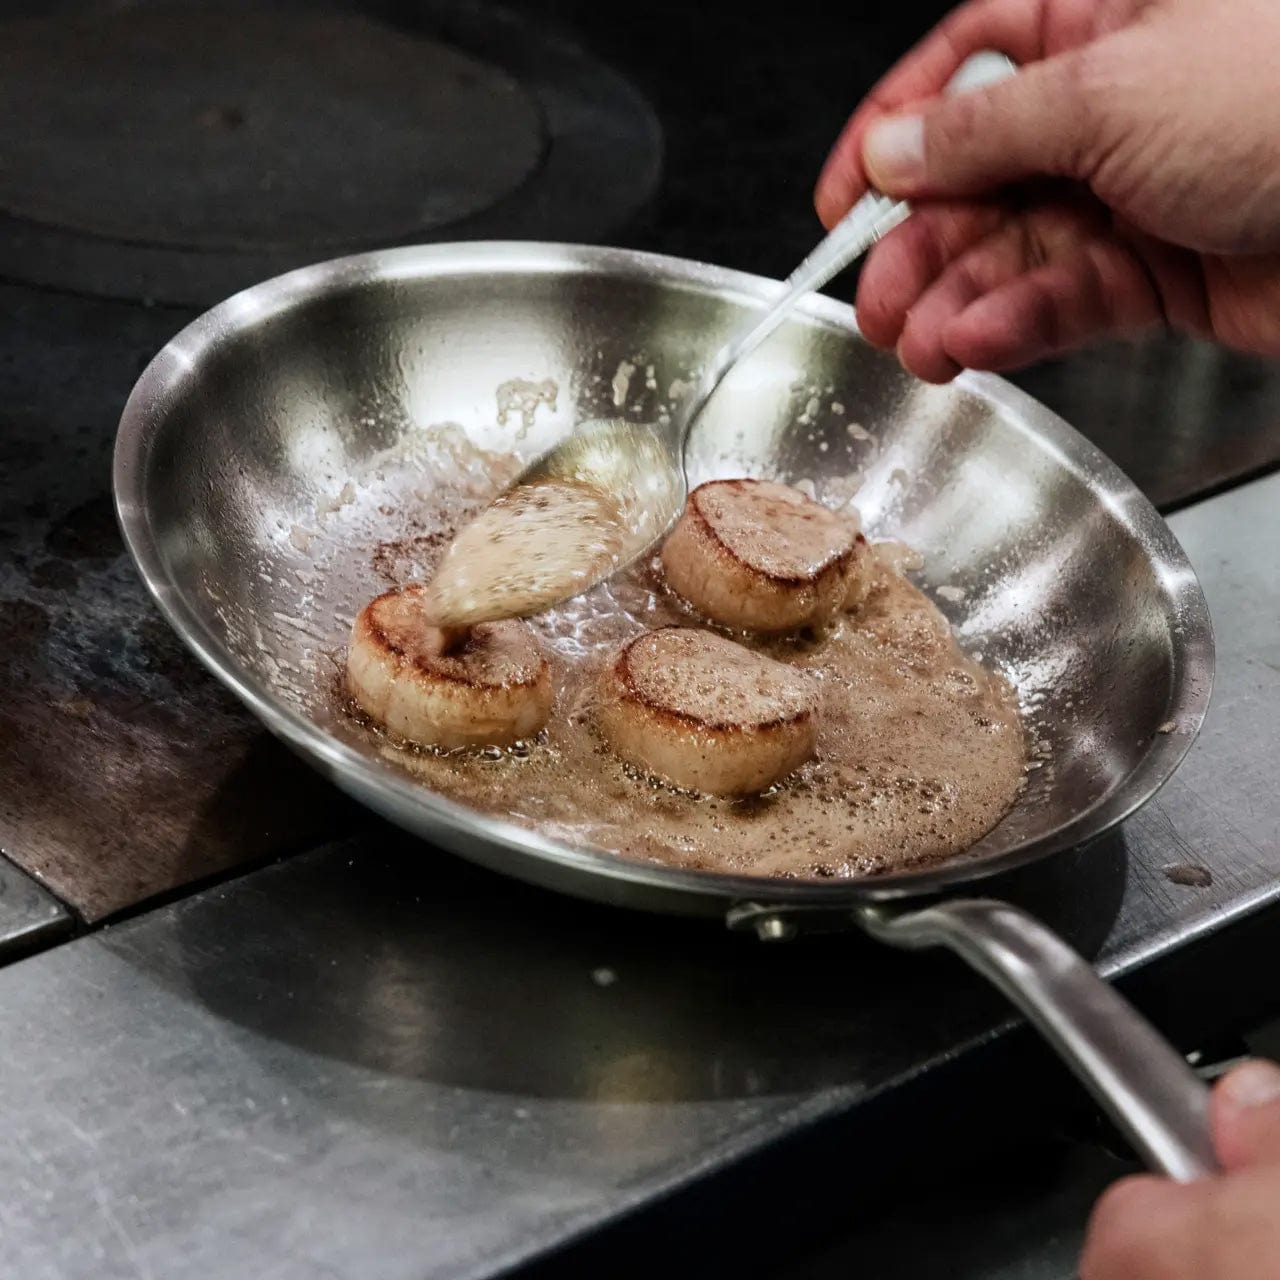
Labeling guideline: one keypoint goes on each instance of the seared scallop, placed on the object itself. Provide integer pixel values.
(700, 711)
(489, 686)
(759, 556)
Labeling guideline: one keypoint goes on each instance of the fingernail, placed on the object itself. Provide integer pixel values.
(893, 151)
(1256, 1084)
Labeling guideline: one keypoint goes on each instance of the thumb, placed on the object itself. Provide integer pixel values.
(1038, 123)
(1245, 1114)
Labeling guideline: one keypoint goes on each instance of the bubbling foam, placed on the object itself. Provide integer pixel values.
(920, 750)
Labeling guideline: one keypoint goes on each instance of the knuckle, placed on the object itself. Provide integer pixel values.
(1047, 319)
(1086, 78)
(1087, 86)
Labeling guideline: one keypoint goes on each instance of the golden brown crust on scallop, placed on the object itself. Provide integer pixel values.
(758, 556)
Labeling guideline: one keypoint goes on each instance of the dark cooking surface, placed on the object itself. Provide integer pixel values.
(118, 757)
(245, 142)
(238, 165)
(30, 917)
(376, 1061)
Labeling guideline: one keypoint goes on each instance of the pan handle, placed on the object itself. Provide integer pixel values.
(1133, 1072)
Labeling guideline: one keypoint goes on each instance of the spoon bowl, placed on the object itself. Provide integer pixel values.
(641, 463)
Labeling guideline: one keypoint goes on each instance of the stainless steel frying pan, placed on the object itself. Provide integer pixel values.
(276, 441)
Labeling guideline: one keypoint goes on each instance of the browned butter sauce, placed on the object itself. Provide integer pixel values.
(536, 543)
(920, 750)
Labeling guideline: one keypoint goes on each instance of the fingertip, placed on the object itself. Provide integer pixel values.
(874, 329)
(925, 360)
(841, 181)
(1006, 328)
(839, 186)
(1245, 1115)
(828, 204)
(1132, 1231)
(977, 341)
(879, 308)
(1251, 1085)
(906, 265)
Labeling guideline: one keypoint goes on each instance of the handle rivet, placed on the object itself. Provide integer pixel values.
(775, 929)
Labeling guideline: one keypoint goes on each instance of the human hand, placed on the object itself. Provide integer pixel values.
(1128, 176)
(1221, 1228)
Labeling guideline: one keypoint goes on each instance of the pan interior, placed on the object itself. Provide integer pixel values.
(275, 444)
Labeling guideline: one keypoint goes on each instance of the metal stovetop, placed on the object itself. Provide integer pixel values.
(375, 1061)
(370, 1060)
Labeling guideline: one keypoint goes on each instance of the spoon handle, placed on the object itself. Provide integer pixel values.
(873, 217)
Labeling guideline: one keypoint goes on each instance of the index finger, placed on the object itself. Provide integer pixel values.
(1012, 27)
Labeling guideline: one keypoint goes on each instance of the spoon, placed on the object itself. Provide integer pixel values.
(606, 495)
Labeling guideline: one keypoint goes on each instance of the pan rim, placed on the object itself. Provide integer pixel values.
(161, 382)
